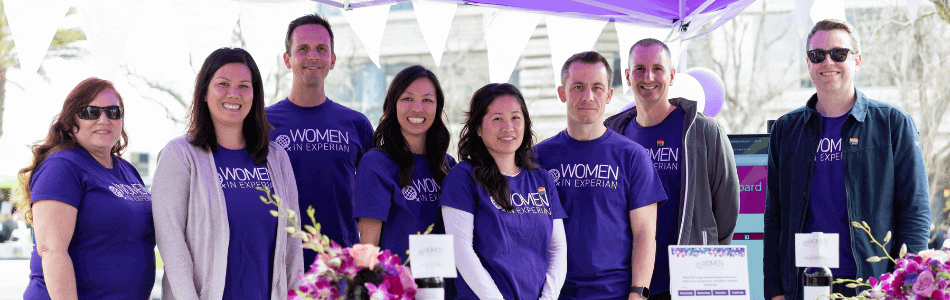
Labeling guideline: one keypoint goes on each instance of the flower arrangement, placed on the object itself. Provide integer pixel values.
(925, 275)
(358, 272)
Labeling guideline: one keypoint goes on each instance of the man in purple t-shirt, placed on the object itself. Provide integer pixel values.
(690, 152)
(323, 139)
(608, 189)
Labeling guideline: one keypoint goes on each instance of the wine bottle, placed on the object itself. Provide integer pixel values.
(431, 288)
(817, 283)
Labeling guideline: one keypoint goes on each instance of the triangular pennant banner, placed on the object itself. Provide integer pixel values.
(369, 23)
(800, 15)
(33, 25)
(208, 26)
(913, 7)
(435, 20)
(569, 36)
(827, 9)
(629, 34)
(108, 23)
(506, 35)
(264, 28)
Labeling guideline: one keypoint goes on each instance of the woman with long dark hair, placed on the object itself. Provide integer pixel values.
(502, 209)
(90, 212)
(217, 238)
(398, 182)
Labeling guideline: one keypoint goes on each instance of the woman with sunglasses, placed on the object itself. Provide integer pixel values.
(502, 209)
(90, 212)
(217, 238)
(399, 180)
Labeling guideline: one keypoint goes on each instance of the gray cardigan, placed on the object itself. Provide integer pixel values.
(191, 223)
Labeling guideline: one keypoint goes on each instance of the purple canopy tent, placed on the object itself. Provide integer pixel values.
(687, 15)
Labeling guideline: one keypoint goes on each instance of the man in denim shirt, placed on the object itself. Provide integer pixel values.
(842, 157)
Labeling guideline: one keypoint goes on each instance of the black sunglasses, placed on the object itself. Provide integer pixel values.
(837, 54)
(90, 112)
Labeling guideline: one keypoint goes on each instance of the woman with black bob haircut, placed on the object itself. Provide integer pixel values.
(399, 180)
(91, 214)
(217, 238)
(502, 209)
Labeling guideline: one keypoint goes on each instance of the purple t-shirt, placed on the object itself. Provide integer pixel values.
(404, 211)
(324, 143)
(512, 246)
(113, 243)
(664, 143)
(600, 182)
(253, 230)
(828, 205)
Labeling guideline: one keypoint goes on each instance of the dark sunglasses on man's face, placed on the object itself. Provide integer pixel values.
(90, 112)
(837, 54)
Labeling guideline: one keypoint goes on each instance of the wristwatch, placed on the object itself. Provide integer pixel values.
(643, 291)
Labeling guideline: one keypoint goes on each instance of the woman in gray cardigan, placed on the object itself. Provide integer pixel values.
(217, 238)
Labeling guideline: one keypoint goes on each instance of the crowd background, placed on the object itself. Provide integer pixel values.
(758, 55)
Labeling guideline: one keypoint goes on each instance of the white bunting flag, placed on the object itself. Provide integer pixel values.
(208, 25)
(827, 9)
(913, 7)
(629, 34)
(800, 15)
(108, 23)
(435, 20)
(264, 28)
(369, 23)
(506, 35)
(569, 36)
(33, 25)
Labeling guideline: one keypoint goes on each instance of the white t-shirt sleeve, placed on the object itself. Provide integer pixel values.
(557, 263)
(461, 224)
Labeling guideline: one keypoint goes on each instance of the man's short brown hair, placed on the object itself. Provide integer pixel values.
(832, 24)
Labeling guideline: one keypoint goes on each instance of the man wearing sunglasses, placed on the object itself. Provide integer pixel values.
(841, 158)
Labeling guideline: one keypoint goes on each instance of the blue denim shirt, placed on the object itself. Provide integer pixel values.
(885, 183)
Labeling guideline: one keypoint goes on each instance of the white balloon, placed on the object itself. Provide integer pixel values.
(686, 86)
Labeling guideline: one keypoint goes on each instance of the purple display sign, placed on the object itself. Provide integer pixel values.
(752, 183)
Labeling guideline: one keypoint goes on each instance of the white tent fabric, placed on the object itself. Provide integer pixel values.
(32, 28)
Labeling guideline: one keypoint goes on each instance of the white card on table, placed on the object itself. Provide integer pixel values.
(816, 249)
(432, 255)
(709, 272)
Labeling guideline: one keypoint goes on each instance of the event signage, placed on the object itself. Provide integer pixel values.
(709, 272)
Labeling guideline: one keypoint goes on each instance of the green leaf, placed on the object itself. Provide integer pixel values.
(943, 275)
